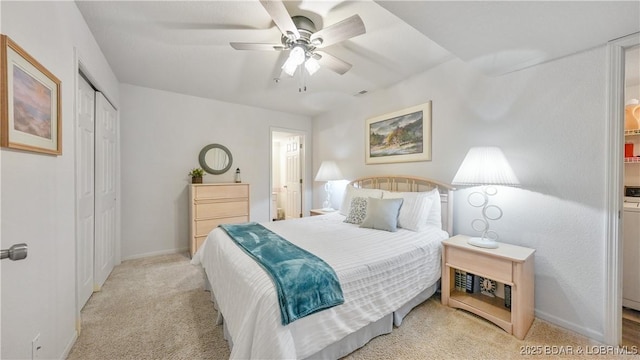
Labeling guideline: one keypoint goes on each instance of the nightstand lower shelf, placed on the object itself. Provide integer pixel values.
(487, 307)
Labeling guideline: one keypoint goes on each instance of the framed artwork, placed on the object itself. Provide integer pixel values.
(30, 111)
(401, 136)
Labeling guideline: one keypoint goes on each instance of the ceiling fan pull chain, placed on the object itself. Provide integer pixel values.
(302, 79)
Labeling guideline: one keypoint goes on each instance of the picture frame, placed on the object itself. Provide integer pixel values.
(30, 104)
(400, 136)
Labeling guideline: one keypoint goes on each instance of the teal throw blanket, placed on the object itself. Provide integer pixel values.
(305, 283)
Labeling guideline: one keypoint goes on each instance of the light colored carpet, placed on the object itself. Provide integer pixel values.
(152, 308)
(156, 308)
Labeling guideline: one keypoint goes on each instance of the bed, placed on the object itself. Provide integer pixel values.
(383, 274)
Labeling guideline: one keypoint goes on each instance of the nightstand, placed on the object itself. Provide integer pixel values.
(315, 212)
(508, 264)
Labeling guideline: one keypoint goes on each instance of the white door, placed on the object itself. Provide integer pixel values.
(85, 189)
(293, 207)
(105, 189)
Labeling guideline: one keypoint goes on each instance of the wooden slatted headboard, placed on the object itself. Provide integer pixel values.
(413, 184)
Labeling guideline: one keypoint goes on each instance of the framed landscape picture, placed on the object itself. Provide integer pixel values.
(30, 113)
(401, 136)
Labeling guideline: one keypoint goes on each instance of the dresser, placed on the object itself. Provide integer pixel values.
(214, 204)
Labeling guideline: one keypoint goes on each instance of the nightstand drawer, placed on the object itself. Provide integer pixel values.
(492, 267)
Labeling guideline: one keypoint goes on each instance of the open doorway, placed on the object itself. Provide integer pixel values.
(616, 53)
(631, 202)
(287, 174)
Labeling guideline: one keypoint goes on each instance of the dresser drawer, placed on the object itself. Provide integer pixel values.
(221, 192)
(488, 266)
(218, 210)
(204, 227)
(199, 241)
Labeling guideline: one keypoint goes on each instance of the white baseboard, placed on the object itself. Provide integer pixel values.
(156, 253)
(67, 349)
(590, 333)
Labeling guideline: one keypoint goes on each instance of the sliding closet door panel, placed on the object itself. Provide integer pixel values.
(105, 207)
(85, 189)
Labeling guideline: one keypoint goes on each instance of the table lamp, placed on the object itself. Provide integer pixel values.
(485, 166)
(328, 172)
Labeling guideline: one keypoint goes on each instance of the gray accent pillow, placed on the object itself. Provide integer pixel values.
(351, 192)
(357, 210)
(382, 214)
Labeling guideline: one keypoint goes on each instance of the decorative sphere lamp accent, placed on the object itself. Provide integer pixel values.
(328, 172)
(485, 166)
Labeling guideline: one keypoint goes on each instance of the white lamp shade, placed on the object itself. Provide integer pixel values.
(328, 171)
(485, 166)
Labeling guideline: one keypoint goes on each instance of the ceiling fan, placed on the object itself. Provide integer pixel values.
(301, 38)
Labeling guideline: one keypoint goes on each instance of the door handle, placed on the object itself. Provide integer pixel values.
(15, 252)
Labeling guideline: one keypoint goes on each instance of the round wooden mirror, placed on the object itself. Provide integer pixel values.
(215, 159)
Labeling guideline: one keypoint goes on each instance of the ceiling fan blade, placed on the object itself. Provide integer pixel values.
(174, 25)
(281, 17)
(256, 46)
(333, 63)
(343, 30)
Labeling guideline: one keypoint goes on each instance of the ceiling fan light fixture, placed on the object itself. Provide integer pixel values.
(296, 57)
(289, 68)
(312, 65)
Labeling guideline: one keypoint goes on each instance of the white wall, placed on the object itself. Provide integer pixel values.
(38, 293)
(162, 135)
(549, 120)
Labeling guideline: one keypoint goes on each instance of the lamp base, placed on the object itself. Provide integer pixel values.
(483, 242)
(328, 209)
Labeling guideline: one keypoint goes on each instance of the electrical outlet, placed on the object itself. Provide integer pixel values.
(35, 347)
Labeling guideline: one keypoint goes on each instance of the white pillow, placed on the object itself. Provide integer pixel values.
(415, 209)
(435, 214)
(350, 192)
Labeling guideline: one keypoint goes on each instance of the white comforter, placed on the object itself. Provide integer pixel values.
(379, 271)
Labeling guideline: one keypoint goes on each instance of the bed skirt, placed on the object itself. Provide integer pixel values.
(360, 338)
(353, 341)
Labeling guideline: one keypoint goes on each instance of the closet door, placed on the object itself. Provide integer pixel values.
(85, 189)
(105, 206)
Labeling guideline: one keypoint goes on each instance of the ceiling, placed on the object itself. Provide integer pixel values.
(183, 46)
